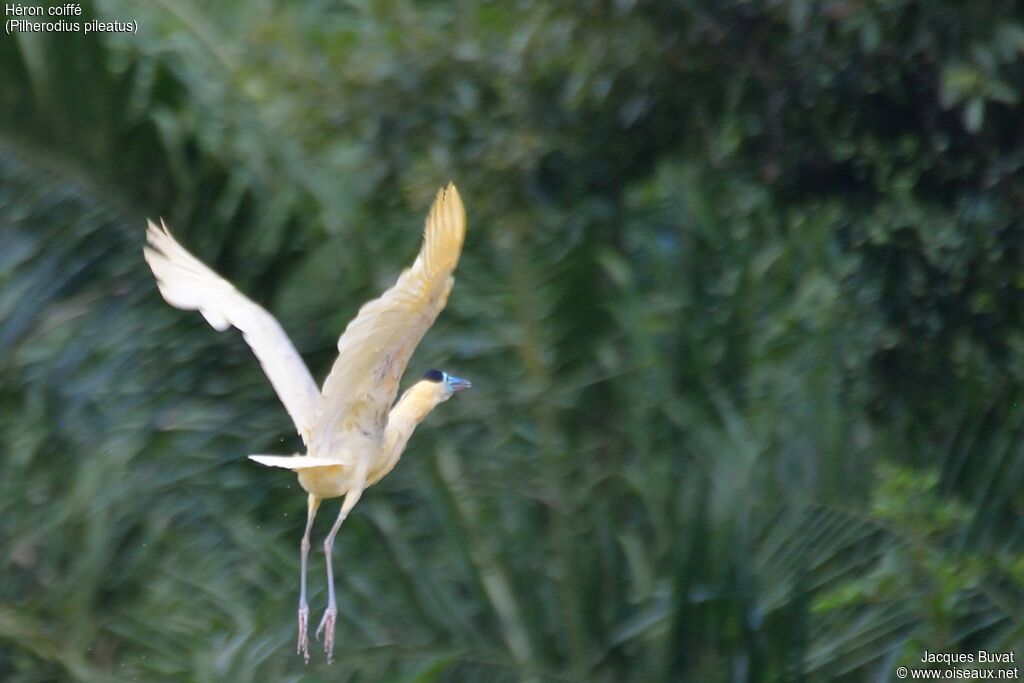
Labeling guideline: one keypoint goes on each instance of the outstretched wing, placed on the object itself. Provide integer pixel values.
(376, 346)
(186, 283)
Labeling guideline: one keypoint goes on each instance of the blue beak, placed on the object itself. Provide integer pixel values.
(458, 384)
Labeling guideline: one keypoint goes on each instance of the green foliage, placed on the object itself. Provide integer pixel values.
(724, 260)
(923, 569)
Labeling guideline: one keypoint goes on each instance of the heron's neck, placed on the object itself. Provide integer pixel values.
(402, 421)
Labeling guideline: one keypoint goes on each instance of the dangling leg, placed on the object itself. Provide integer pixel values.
(303, 646)
(327, 623)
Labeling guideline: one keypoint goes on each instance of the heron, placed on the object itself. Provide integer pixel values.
(354, 431)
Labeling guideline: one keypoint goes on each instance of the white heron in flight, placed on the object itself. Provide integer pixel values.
(353, 431)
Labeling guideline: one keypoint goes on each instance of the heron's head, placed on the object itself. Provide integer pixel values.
(435, 388)
(441, 386)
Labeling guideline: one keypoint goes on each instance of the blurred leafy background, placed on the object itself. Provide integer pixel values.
(741, 302)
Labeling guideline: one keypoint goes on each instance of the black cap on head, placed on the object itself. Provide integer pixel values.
(433, 375)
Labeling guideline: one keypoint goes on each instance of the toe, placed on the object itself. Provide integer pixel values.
(302, 647)
(327, 628)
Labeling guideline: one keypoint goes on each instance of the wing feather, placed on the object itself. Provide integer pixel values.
(186, 283)
(376, 346)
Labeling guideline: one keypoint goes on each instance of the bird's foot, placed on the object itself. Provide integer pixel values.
(327, 627)
(303, 647)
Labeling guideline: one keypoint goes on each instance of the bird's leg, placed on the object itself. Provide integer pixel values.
(331, 613)
(303, 646)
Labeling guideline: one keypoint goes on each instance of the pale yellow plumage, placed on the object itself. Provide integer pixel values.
(353, 430)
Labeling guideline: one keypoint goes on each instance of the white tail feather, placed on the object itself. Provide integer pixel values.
(294, 462)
